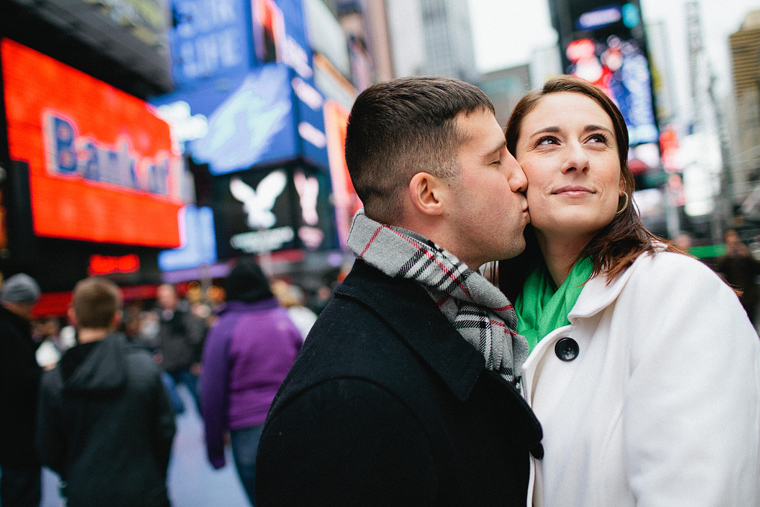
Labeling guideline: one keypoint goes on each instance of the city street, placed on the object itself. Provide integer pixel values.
(192, 480)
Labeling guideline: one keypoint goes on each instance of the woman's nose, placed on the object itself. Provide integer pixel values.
(576, 159)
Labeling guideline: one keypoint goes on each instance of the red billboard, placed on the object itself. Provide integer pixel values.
(102, 166)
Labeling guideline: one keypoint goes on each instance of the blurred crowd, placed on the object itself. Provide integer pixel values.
(61, 377)
(142, 318)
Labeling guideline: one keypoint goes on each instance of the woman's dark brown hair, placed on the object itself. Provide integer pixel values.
(614, 248)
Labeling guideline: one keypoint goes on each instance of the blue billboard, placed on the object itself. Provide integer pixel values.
(265, 116)
(210, 38)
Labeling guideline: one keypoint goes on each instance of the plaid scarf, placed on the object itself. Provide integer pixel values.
(479, 311)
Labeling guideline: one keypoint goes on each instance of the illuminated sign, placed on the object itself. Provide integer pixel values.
(263, 211)
(101, 163)
(621, 70)
(345, 200)
(266, 109)
(210, 39)
(608, 49)
(105, 264)
(279, 34)
(268, 30)
(69, 154)
(252, 125)
(599, 18)
(198, 241)
(265, 116)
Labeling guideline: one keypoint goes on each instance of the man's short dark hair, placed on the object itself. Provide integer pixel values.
(401, 127)
(96, 300)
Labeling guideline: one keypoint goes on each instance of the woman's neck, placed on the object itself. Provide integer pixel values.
(560, 253)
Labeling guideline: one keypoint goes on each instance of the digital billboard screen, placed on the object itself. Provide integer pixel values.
(102, 166)
(209, 39)
(281, 208)
(606, 46)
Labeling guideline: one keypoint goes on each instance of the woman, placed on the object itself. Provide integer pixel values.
(645, 371)
(247, 353)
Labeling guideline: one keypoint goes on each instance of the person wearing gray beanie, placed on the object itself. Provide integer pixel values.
(20, 483)
(20, 288)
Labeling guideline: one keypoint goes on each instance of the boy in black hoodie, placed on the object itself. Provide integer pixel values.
(105, 422)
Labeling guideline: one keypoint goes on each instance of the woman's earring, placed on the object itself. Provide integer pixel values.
(624, 205)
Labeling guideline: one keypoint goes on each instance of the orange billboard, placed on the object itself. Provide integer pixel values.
(345, 200)
(102, 166)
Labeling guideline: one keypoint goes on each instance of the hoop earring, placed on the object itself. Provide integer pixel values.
(624, 205)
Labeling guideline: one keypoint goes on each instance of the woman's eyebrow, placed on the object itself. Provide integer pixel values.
(591, 128)
(552, 129)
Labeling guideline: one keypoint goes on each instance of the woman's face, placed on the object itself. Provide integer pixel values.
(568, 151)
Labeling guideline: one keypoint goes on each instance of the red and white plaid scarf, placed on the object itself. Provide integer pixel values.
(478, 310)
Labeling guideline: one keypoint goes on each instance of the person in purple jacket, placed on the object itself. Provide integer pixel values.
(247, 353)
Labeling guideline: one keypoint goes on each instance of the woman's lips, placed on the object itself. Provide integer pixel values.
(573, 191)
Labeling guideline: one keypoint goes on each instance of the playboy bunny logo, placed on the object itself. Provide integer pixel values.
(259, 203)
(308, 191)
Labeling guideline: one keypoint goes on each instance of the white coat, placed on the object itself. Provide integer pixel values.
(661, 405)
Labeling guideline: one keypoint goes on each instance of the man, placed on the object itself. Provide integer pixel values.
(180, 340)
(405, 392)
(19, 384)
(740, 270)
(105, 422)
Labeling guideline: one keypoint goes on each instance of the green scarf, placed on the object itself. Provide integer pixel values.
(541, 308)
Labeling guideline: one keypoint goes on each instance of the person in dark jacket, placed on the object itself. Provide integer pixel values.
(180, 341)
(740, 270)
(247, 353)
(105, 421)
(406, 392)
(19, 383)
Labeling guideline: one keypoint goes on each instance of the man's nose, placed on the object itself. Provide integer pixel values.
(518, 182)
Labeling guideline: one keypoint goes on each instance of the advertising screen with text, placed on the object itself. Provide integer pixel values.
(101, 164)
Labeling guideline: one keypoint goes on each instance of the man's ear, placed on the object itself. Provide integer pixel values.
(426, 193)
(71, 314)
(116, 319)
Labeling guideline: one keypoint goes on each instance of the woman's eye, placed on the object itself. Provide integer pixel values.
(547, 140)
(598, 138)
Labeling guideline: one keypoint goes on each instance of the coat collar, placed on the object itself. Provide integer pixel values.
(405, 306)
(597, 294)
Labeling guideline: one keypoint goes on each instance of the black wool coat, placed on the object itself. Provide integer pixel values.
(388, 405)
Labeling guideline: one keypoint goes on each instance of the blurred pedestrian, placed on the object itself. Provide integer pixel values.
(291, 297)
(105, 422)
(740, 270)
(52, 343)
(321, 298)
(19, 384)
(247, 354)
(180, 341)
(683, 242)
